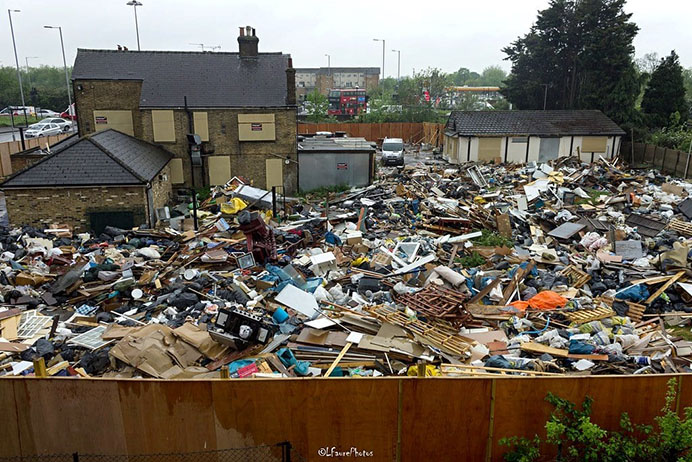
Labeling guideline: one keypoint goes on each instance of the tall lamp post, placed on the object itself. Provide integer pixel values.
(64, 63)
(383, 44)
(398, 64)
(135, 4)
(16, 60)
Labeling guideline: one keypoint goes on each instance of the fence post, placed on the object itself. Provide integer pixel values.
(75, 457)
(286, 445)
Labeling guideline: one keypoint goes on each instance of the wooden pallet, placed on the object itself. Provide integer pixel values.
(437, 303)
(681, 227)
(576, 277)
(441, 336)
(594, 314)
(636, 311)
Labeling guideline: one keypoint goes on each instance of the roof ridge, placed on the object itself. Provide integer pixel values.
(102, 50)
(113, 156)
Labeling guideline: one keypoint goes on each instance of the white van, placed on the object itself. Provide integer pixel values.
(393, 151)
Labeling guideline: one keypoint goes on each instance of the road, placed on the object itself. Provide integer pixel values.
(6, 133)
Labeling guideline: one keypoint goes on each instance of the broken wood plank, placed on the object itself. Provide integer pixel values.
(539, 348)
(665, 286)
(338, 358)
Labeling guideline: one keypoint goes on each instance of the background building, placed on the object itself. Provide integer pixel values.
(525, 136)
(242, 105)
(325, 78)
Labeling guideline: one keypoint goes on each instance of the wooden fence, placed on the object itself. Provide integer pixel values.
(671, 161)
(402, 419)
(12, 147)
(415, 133)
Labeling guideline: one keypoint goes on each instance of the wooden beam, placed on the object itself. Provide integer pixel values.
(338, 358)
(663, 288)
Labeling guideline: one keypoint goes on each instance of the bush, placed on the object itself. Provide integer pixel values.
(576, 438)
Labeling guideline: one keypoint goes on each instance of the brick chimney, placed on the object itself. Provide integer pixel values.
(290, 83)
(247, 42)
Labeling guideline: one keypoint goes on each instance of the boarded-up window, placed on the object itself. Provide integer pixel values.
(594, 144)
(489, 149)
(117, 120)
(275, 173)
(201, 125)
(164, 126)
(256, 127)
(219, 169)
(177, 175)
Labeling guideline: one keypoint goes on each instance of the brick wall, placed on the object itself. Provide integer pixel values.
(161, 188)
(106, 95)
(247, 158)
(22, 161)
(41, 207)
(371, 82)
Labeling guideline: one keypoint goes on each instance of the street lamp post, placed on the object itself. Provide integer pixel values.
(398, 64)
(135, 4)
(16, 60)
(26, 60)
(383, 46)
(64, 63)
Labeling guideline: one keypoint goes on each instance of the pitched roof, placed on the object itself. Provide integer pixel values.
(207, 79)
(547, 123)
(102, 159)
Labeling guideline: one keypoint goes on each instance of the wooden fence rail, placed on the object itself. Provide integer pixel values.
(671, 161)
(402, 419)
(415, 132)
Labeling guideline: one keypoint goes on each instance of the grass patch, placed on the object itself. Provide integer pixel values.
(6, 121)
(492, 239)
(682, 331)
(594, 194)
(471, 261)
(323, 190)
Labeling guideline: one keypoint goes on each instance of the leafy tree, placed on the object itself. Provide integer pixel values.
(648, 63)
(316, 105)
(582, 51)
(49, 82)
(492, 76)
(464, 77)
(665, 93)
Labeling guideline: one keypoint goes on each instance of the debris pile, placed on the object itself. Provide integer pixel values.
(534, 269)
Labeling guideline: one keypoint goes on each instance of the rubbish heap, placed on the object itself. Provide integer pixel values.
(433, 270)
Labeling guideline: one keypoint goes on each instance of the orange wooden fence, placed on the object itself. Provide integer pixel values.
(406, 419)
(414, 132)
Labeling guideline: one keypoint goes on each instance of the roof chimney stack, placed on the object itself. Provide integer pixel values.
(247, 42)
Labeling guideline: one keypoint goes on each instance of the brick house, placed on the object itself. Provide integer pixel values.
(108, 178)
(242, 105)
(323, 79)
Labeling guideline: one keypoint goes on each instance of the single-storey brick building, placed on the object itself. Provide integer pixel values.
(241, 104)
(108, 178)
(525, 136)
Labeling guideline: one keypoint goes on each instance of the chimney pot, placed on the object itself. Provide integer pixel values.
(247, 42)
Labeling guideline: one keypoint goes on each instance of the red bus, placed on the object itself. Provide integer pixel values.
(347, 101)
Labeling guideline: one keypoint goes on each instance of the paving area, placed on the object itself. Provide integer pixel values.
(433, 270)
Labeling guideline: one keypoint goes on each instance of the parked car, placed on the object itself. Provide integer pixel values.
(18, 111)
(65, 124)
(393, 151)
(69, 113)
(42, 129)
(46, 113)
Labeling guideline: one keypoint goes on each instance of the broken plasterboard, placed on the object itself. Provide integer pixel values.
(298, 300)
(566, 230)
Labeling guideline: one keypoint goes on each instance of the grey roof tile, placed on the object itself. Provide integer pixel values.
(207, 79)
(105, 158)
(547, 123)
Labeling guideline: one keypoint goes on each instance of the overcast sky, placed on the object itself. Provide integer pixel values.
(444, 34)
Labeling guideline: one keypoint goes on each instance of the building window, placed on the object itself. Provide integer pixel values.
(163, 125)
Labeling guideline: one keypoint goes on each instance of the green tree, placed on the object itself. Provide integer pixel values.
(687, 79)
(316, 104)
(49, 82)
(665, 93)
(492, 76)
(582, 51)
